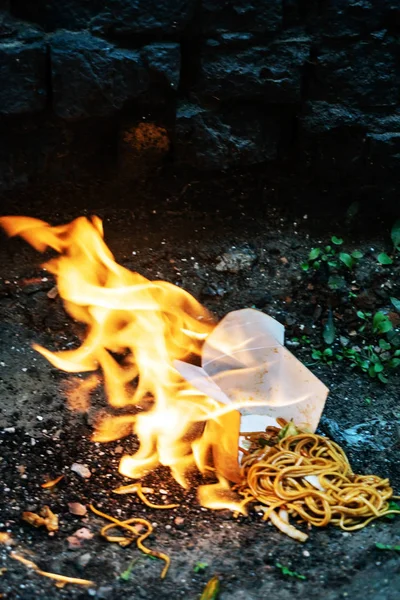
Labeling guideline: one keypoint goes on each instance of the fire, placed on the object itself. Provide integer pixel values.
(136, 329)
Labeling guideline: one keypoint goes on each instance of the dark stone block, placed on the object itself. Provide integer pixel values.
(163, 61)
(117, 17)
(364, 73)
(338, 142)
(321, 117)
(261, 16)
(273, 72)
(331, 140)
(349, 18)
(45, 149)
(93, 78)
(213, 141)
(22, 76)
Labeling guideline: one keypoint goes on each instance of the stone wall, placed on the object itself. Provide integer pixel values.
(121, 87)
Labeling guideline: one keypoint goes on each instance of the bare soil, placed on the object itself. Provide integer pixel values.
(178, 233)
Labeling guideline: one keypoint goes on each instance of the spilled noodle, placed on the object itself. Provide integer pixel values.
(289, 473)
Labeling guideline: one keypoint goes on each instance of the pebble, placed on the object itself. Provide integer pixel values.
(76, 508)
(81, 470)
(84, 559)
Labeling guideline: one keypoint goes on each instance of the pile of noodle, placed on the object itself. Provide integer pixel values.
(308, 477)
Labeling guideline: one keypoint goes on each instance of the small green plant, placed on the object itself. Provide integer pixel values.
(324, 356)
(378, 361)
(333, 260)
(286, 571)
(199, 567)
(126, 575)
(304, 338)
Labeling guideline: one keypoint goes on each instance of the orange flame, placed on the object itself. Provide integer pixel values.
(136, 329)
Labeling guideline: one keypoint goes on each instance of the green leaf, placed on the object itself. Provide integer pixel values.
(211, 591)
(335, 282)
(126, 575)
(199, 566)
(357, 254)
(346, 259)
(384, 259)
(395, 234)
(387, 547)
(396, 303)
(315, 252)
(394, 363)
(361, 315)
(384, 344)
(378, 367)
(382, 378)
(286, 571)
(367, 400)
(329, 332)
(336, 240)
(305, 266)
(381, 323)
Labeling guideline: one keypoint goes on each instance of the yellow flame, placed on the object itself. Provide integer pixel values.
(136, 329)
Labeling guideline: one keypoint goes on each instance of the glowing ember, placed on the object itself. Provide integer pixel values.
(136, 329)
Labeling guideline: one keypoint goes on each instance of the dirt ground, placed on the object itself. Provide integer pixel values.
(179, 233)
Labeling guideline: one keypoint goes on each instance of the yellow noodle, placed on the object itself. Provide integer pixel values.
(140, 536)
(275, 477)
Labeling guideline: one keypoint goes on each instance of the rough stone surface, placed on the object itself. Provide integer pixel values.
(163, 61)
(23, 86)
(307, 83)
(273, 72)
(91, 77)
(364, 73)
(241, 15)
(117, 17)
(351, 18)
(211, 140)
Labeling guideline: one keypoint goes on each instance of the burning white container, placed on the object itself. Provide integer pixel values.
(245, 362)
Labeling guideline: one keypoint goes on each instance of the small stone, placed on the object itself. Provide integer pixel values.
(236, 260)
(81, 470)
(84, 534)
(118, 450)
(53, 293)
(73, 542)
(179, 521)
(84, 559)
(76, 508)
